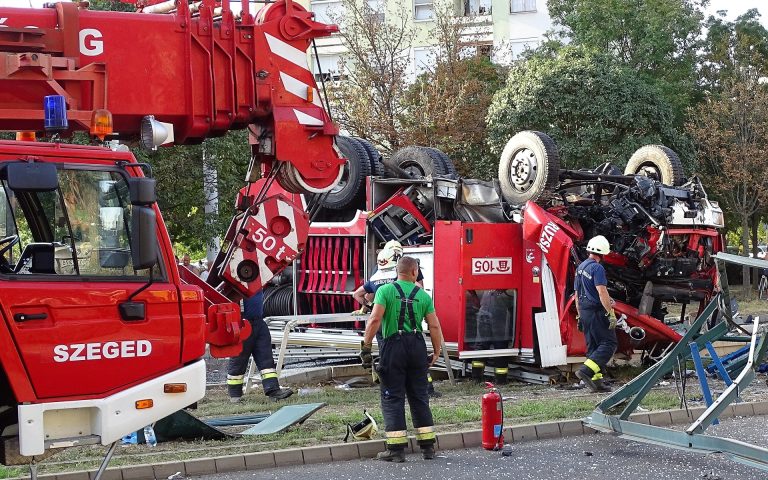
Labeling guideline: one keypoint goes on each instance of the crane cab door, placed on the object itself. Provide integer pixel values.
(65, 270)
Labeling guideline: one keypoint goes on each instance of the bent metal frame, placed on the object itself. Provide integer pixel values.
(692, 438)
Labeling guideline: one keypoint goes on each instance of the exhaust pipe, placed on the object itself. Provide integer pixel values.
(637, 335)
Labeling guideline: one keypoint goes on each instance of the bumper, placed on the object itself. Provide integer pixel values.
(105, 420)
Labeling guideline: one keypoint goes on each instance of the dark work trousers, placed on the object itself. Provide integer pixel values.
(601, 340)
(403, 373)
(259, 344)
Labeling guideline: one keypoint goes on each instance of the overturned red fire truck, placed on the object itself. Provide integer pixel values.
(499, 257)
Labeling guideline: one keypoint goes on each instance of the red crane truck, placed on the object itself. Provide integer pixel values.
(100, 334)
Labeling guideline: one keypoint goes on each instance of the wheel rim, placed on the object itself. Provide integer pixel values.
(523, 170)
(649, 170)
(413, 169)
(343, 181)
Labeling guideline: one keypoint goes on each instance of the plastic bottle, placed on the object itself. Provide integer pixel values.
(149, 436)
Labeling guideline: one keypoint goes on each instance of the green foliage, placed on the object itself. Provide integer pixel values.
(182, 187)
(657, 39)
(596, 109)
(445, 108)
(734, 49)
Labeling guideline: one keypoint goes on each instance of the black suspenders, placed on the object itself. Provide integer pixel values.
(406, 304)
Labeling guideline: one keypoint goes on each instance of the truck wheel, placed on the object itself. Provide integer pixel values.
(377, 167)
(529, 166)
(415, 162)
(348, 192)
(657, 162)
(448, 166)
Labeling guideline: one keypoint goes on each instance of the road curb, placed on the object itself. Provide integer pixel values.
(362, 450)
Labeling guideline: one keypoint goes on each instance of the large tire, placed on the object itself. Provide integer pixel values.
(657, 162)
(416, 162)
(529, 166)
(448, 166)
(350, 191)
(374, 156)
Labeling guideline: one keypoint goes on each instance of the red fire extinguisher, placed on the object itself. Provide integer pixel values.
(492, 418)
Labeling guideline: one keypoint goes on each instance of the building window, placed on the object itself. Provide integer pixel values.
(477, 7)
(330, 65)
(518, 47)
(519, 6)
(423, 10)
(423, 60)
(327, 11)
(376, 10)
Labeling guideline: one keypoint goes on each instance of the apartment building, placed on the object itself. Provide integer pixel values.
(502, 29)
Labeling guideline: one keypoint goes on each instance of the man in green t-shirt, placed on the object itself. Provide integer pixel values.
(399, 308)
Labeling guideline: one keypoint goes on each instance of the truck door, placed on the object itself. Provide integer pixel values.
(65, 270)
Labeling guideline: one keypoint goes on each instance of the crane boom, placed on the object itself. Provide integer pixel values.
(201, 73)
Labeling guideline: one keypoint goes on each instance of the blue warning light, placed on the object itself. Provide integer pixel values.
(55, 108)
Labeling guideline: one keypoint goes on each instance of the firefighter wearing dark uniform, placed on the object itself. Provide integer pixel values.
(259, 345)
(386, 273)
(595, 314)
(399, 309)
(493, 331)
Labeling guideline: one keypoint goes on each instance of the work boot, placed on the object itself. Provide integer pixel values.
(279, 393)
(432, 392)
(587, 379)
(428, 452)
(235, 399)
(478, 373)
(500, 378)
(395, 456)
(601, 387)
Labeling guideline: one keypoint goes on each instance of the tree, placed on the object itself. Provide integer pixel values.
(181, 185)
(447, 104)
(730, 132)
(596, 109)
(733, 50)
(657, 39)
(368, 98)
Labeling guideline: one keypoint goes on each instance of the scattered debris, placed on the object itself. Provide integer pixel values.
(587, 454)
(506, 451)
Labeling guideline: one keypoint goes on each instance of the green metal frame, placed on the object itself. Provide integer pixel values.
(692, 439)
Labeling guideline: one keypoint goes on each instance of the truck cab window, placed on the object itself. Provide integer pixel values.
(82, 228)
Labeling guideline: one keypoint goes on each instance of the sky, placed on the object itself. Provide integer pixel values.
(734, 7)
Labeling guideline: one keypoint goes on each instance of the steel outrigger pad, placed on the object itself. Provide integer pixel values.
(693, 438)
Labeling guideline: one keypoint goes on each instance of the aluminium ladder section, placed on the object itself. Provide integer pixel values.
(692, 439)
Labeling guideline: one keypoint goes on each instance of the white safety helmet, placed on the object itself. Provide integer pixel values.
(389, 255)
(599, 245)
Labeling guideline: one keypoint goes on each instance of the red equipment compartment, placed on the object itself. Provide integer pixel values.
(480, 261)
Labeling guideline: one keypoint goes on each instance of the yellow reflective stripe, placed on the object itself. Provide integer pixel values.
(397, 438)
(425, 436)
(429, 378)
(597, 376)
(477, 364)
(268, 370)
(502, 371)
(425, 429)
(592, 366)
(235, 379)
(264, 376)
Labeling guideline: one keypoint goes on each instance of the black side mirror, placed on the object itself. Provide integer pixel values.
(143, 237)
(142, 190)
(32, 177)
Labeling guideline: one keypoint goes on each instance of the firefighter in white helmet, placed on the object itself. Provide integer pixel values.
(596, 317)
(386, 273)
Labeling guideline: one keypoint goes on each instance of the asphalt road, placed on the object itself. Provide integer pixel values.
(588, 457)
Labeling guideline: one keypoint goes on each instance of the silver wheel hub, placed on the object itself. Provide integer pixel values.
(523, 169)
